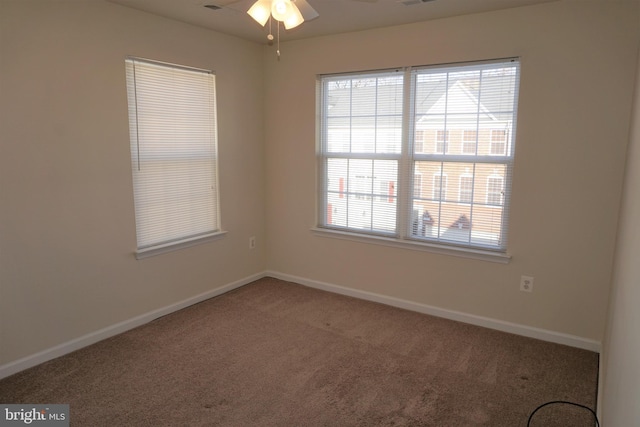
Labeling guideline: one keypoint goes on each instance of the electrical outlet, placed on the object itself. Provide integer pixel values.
(526, 283)
(252, 242)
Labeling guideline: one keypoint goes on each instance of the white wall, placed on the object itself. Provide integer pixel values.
(578, 62)
(622, 344)
(67, 226)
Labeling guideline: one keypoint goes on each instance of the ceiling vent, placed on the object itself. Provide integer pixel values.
(412, 2)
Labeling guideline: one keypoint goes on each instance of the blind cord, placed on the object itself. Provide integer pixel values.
(135, 95)
(566, 403)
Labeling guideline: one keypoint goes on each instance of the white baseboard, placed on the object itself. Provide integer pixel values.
(600, 396)
(513, 328)
(118, 328)
(99, 335)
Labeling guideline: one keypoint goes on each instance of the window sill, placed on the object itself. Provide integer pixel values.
(477, 254)
(181, 244)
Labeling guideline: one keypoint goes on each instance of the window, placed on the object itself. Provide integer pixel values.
(362, 149)
(439, 186)
(419, 141)
(498, 141)
(469, 138)
(172, 120)
(387, 191)
(417, 185)
(495, 190)
(364, 131)
(466, 188)
(442, 141)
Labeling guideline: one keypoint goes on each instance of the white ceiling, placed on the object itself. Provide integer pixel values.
(336, 16)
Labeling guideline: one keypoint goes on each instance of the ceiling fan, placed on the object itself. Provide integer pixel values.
(291, 13)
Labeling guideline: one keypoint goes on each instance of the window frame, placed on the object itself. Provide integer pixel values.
(405, 185)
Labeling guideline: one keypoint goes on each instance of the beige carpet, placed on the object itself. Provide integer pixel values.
(274, 353)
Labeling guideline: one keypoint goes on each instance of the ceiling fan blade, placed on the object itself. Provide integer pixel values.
(308, 13)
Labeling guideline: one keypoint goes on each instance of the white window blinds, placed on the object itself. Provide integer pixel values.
(362, 144)
(172, 118)
(466, 115)
(440, 139)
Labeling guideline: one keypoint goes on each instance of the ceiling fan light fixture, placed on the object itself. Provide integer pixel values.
(260, 11)
(285, 11)
(294, 18)
(281, 9)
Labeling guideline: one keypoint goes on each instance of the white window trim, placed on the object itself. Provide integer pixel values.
(181, 244)
(462, 252)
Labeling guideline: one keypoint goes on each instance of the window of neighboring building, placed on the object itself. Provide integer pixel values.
(442, 141)
(469, 139)
(417, 185)
(498, 142)
(466, 188)
(387, 191)
(363, 132)
(495, 190)
(419, 141)
(439, 186)
(173, 134)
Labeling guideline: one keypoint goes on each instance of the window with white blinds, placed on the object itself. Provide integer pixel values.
(173, 133)
(394, 145)
(361, 150)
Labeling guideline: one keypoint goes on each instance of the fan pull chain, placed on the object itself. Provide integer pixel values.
(270, 35)
(278, 47)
